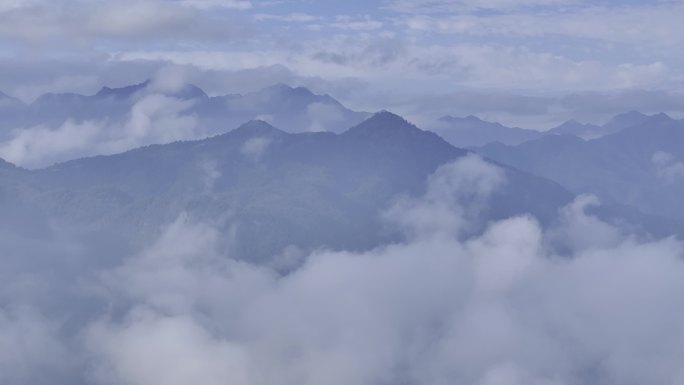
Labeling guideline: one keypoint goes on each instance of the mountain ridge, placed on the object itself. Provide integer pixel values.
(472, 131)
(307, 189)
(620, 168)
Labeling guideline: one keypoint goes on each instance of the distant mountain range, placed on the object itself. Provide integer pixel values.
(640, 165)
(592, 131)
(269, 191)
(293, 109)
(472, 131)
(117, 113)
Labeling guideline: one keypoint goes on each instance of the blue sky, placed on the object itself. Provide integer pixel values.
(396, 54)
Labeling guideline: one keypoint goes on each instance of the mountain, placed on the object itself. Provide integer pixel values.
(9, 101)
(625, 120)
(6, 166)
(592, 131)
(640, 166)
(294, 109)
(12, 112)
(19, 216)
(582, 130)
(121, 92)
(265, 189)
(473, 132)
(187, 91)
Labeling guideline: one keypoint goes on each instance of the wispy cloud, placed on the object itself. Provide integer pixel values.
(84, 22)
(154, 118)
(655, 25)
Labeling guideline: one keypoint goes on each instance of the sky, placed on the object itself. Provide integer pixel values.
(527, 62)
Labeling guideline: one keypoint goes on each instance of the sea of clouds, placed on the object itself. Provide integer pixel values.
(579, 302)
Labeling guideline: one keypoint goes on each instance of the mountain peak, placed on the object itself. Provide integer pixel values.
(5, 165)
(52, 97)
(621, 121)
(386, 117)
(279, 87)
(571, 126)
(631, 114)
(9, 100)
(190, 91)
(187, 91)
(466, 119)
(628, 117)
(122, 92)
(660, 118)
(282, 89)
(383, 123)
(257, 127)
(572, 122)
(473, 118)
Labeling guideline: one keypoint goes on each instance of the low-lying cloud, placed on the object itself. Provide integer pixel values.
(500, 307)
(668, 167)
(153, 119)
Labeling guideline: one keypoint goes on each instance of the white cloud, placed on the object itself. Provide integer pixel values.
(169, 80)
(362, 24)
(453, 200)
(42, 145)
(156, 118)
(576, 230)
(7, 5)
(322, 116)
(498, 307)
(378, 62)
(136, 19)
(30, 347)
(153, 119)
(212, 4)
(650, 25)
(255, 148)
(153, 348)
(668, 167)
(289, 18)
(82, 22)
(211, 172)
(435, 6)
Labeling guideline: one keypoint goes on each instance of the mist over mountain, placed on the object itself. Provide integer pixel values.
(473, 132)
(60, 127)
(294, 109)
(57, 127)
(592, 131)
(573, 127)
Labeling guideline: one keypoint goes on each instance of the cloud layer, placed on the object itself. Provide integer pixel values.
(497, 308)
(501, 307)
(372, 56)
